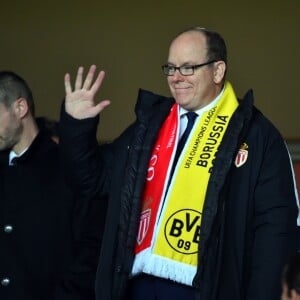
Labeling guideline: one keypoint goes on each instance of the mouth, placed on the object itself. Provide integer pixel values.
(181, 89)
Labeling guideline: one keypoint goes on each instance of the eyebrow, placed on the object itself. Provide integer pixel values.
(188, 63)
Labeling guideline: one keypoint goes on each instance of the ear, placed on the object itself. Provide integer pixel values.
(21, 107)
(219, 71)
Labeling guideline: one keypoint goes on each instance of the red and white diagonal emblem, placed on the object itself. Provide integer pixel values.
(144, 225)
(241, 158)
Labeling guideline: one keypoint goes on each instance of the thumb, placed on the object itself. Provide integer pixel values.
(101, 106)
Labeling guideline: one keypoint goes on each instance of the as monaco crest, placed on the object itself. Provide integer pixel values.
(144, 225)
(242, 156)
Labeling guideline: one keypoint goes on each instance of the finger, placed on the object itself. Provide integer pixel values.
(78, 81)
(100, 107)
(98, 82)
(103, 104)
(89, 77)
(68, 87)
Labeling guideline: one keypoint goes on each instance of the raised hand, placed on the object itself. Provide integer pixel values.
(80, 102)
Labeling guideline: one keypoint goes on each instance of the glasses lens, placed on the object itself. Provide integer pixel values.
(168, 70)
(187, 70)
(165, 69)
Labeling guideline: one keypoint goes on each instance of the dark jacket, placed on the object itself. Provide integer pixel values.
(249, 217)
(41, 223)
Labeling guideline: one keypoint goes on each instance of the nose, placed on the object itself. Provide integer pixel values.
(177, 76)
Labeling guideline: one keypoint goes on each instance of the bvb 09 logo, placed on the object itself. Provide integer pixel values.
(182, 231)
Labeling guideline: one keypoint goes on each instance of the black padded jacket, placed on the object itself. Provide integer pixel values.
(249, 218)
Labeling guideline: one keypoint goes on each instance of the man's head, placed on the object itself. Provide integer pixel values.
(291, 279)
(16, 105)
(202, 55)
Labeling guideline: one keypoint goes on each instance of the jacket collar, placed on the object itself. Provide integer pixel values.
(148, 104)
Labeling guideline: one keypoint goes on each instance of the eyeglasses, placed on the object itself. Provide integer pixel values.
(187, 70)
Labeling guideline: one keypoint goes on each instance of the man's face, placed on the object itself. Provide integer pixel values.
(194, 91)
(10, 128)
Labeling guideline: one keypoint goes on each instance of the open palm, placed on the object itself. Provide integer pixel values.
(80, 102)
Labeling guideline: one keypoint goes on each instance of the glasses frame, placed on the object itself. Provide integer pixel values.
(193, 68)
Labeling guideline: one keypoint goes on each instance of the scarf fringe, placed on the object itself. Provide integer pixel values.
(149, 263)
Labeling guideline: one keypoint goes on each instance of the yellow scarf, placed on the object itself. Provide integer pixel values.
(178, 231)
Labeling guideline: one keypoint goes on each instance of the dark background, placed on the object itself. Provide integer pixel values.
(129, 40)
